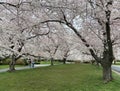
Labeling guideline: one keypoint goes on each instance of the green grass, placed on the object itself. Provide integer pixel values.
(117, 63)
(72, 77)
(48, 62)
(3, 66)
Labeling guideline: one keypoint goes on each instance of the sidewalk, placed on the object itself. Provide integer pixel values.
(26, 67)
(116, 68)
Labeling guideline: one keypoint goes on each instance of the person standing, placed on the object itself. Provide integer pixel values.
(32, 63)
(29, 63)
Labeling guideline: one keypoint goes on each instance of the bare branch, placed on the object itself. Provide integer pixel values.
(117, 18)
(86, 53)
(5, 3)
(94, 4)
(77, 33)
(59, 21)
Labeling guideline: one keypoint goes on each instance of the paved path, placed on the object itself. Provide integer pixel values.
(26, 67)
(116, 68)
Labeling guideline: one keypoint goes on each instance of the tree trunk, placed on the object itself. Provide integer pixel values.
(107, 71)
(108, 56)
(64, 60)
(114, 61)
(12, 64)
(52, 62)
(107, 74)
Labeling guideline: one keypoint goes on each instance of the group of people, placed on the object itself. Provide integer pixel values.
(31, 63)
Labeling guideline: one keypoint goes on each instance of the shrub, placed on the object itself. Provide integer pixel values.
(77, 62)
(6, 61)
(18, 62)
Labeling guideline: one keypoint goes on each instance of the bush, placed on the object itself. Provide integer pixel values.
(25, 61)
(18, 62)
(21, 62)
(86, 62)
(6, 61)
(77, 62)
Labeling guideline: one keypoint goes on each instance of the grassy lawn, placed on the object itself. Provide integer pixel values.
(72, 77)
(117, 63)
(4, 66)
(48, 62)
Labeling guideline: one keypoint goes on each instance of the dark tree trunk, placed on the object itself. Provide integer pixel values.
(12, 64)
(64, 60)
(108, 56)
(52, 62)
(106, 65)
(107, 72)
(114, 61)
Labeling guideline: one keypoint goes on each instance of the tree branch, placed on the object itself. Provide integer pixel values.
(5, 3)
(77, 33)
(117, 18)
(59, 21)
(92, 4)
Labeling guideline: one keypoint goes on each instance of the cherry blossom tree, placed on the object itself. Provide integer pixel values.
(93, 17)
(94, 22)
(18, 27)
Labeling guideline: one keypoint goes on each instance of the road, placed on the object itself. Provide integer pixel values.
(25, 67)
